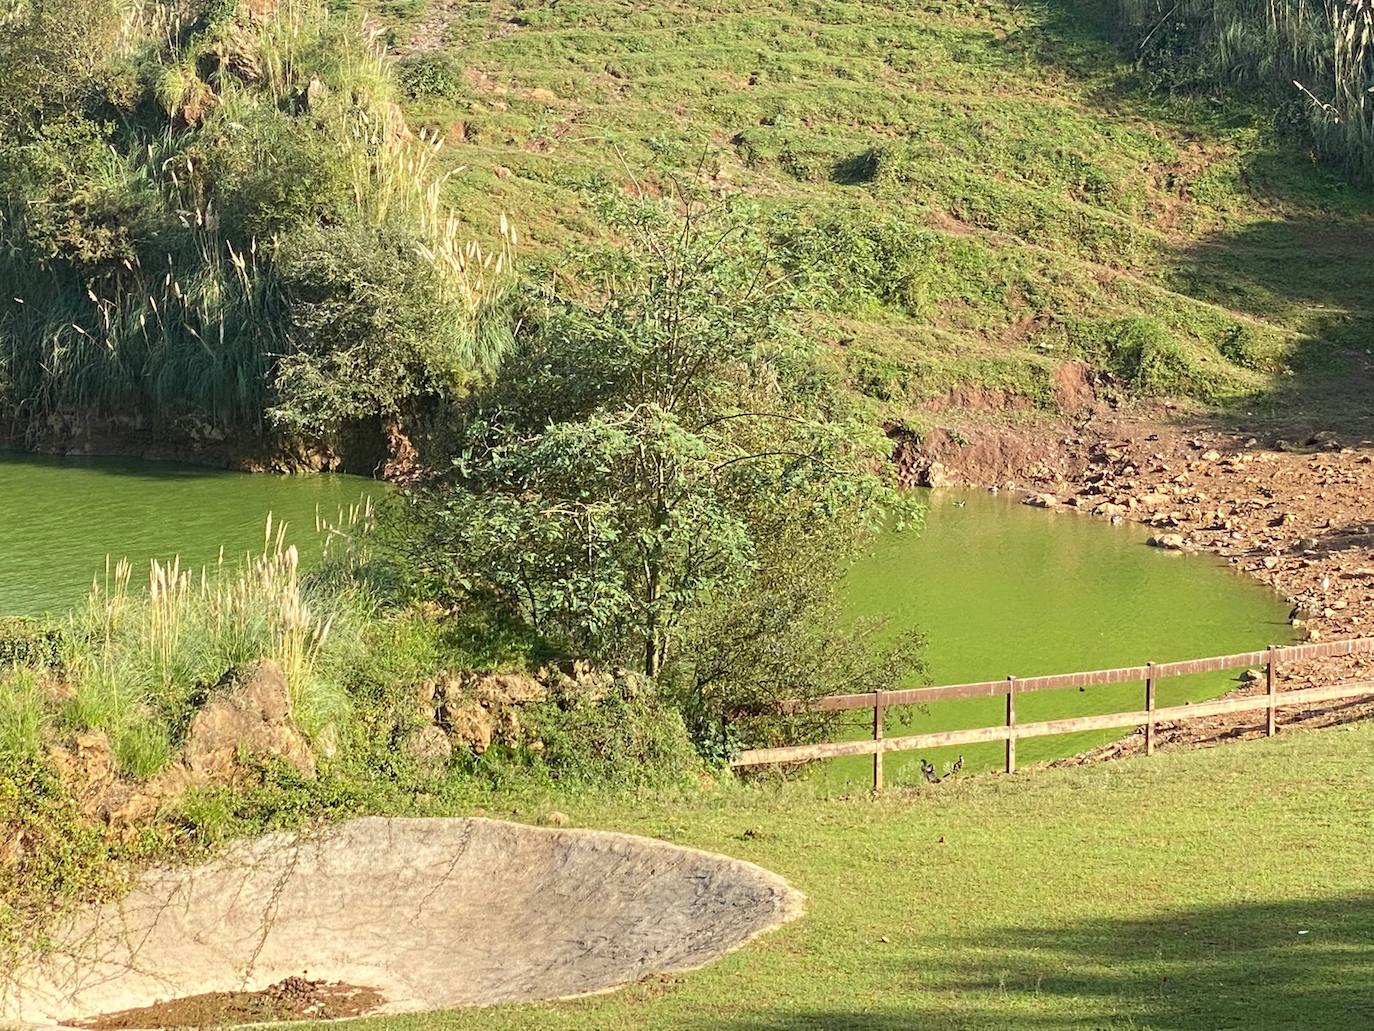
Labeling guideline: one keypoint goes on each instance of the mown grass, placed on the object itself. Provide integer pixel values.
(1030, 196)
(1195, 890)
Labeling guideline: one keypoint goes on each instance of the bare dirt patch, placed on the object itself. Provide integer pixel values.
(294, 998)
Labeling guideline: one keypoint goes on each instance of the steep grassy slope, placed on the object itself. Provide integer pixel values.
(971, 193)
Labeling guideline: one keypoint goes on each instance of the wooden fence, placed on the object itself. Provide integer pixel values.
(1011, 731)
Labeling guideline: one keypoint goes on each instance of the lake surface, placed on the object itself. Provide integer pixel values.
(997, 588)
(61, 517)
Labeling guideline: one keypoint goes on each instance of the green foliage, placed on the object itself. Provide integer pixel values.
(63, 859)
(432, 77)
(29, 642)
(619, 471)
(22, 712)
(369, 328)
(157, 245)
(625, 739)
(1142, 354)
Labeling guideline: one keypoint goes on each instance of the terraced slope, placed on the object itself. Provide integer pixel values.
(970, 193)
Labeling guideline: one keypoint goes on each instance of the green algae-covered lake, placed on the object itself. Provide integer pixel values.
(61, 517)
(1002, 589)
(997, 588)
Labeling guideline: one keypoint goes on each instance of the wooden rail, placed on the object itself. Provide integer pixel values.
(1011, 731)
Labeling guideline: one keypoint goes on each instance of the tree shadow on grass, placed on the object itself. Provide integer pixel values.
(1306, 963)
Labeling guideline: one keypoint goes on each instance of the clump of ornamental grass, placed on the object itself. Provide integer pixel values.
(141, 662)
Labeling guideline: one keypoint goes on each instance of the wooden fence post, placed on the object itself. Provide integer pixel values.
(1150, 709)
(877, 736)
(1271, 723)
(1011, 723)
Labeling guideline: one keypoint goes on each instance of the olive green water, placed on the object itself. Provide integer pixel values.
(1001, 589)
(997, 588)
(61, 517)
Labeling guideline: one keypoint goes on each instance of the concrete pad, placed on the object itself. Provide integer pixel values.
(432, 913)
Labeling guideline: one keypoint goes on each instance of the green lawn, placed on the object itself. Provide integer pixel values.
(994, 185)
(1227, 888)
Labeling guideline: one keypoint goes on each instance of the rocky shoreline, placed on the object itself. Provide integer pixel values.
(1298, 517)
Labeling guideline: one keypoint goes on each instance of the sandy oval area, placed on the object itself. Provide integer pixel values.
(431, 913)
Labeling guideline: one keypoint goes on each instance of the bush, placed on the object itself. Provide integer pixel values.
(431, 77)
(29, 642)
(1142, 354)
(369, 330)
(626, 739)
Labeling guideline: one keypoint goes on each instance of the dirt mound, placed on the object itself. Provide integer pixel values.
(293, 999)
(430, 914)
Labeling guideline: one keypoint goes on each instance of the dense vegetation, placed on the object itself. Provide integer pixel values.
(1313, 58)
(215, 224)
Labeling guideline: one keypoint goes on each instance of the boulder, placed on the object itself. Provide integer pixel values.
(87, 767)
(933, 474)
(468, 724)
(249, 714)
(429, 746)
(1168, 541)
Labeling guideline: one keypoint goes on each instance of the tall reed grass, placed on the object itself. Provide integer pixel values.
(191, 319)
(141, 661)
(1320, 51)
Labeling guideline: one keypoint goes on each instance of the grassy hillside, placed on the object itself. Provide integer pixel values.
(969, 194)
(1198, 890)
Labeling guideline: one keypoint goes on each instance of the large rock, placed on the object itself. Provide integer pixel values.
(87, 766)
(429, 746)
(249, 715)
(469, 723)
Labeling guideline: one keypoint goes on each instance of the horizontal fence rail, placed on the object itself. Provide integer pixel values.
(1010, 731)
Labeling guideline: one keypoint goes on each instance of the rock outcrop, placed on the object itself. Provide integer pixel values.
(248, 717)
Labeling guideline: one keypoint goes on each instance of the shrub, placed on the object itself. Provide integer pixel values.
(626, 739)
(431, 77)
(29, 642)
(1142, 354)
(622, 468)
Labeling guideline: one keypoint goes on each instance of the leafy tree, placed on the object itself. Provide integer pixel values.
(646, 448)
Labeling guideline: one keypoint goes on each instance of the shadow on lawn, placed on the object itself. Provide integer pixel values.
(1298, 964)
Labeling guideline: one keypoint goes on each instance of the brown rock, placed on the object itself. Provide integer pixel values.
(507, 689)
(249, 714)
(1168, 541)
(429, 746)
(469, 724)
(87, 766)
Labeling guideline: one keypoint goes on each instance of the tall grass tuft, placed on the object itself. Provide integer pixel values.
(1320, 51)
(143, 661)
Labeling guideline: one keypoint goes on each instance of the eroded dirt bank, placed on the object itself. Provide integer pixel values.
(1296, 515)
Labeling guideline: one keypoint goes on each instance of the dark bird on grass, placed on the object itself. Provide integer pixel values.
(955, 767)
(928, 772)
